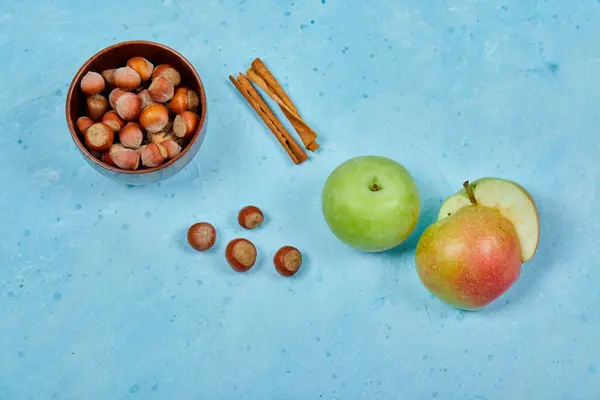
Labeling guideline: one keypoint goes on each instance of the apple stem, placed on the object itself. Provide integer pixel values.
(374, 187)
(470, 193)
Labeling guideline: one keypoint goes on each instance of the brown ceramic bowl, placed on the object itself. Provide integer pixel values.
(116, 56)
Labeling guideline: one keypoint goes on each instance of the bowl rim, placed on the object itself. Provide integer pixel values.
(83, 69)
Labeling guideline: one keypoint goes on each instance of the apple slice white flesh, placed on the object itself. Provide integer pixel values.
(511, 199)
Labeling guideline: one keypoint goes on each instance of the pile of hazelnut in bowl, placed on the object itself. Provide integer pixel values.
(138, 115)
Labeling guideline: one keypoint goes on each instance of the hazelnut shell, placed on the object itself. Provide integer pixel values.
(287, 261)
(250, 217)
(201, 236)
(241, 255)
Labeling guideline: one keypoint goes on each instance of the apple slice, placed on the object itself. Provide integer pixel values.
(513, 202)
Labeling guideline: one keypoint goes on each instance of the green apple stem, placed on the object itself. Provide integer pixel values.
(470, 193)
(375, 186)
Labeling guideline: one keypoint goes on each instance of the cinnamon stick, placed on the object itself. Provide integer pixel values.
(307, 135)
(262, 77)
(262, 109)
(264, 72)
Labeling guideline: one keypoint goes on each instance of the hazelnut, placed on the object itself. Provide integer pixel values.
(144, 95)
(154, 118)
(161, 89)
(287, 261)
(131, 135)
(240, 254)
(153, 155)
(169, 72)
(128, 106)
(83, 123)
(159, 137)
(126, 78)
(113, 96)
(99, 137)
(142, 66)
(113, 120)
(97, 106)
(201, 236)
(250, 217)
(123, 157)
(184, 99)
(185, 124)
(107, 158)
(172, 147)
(109, 76)
(92, 83)
(115, 147)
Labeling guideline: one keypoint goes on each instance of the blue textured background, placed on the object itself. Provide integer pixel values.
(100, 297)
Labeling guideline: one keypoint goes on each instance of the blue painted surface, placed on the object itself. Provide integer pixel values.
(100, 297)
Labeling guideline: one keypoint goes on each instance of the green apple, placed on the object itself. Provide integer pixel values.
(511, 199)
(473, 253)
(371, 203)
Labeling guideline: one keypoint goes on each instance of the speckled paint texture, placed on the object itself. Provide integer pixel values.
(101, 297)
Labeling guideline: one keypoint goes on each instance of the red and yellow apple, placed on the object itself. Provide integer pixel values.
(473, 253)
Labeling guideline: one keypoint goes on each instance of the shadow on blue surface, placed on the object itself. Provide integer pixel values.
(548, 256)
